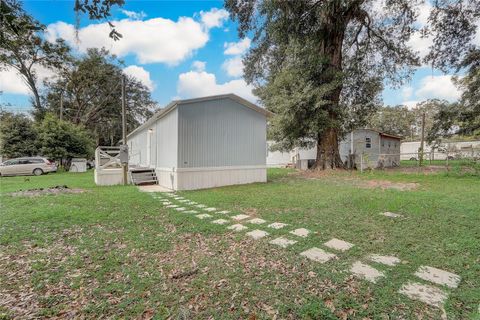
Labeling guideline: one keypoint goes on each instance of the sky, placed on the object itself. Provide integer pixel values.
(186, 49)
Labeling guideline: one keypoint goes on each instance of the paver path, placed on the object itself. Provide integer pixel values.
(318, 255)
(428, 294)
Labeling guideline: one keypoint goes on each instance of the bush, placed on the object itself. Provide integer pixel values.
(60, 140)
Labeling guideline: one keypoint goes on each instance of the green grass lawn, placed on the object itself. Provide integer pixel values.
(116, 252)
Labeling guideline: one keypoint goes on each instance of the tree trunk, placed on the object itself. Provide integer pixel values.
(30, 79)
(328, 155)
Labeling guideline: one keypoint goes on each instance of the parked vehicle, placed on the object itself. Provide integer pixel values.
(27, 166)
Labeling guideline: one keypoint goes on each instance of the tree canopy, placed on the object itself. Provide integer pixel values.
(320, 65)
(18, 137)
(90, 93)
(59, 139)
(25, 49)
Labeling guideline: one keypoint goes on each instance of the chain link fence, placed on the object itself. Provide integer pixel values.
(465, 159)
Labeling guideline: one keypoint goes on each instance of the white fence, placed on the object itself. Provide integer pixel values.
(107, 158)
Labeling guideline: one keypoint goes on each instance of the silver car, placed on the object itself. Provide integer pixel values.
(27, 166)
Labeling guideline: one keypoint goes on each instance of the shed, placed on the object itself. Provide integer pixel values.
(378, 149)
(203, 143)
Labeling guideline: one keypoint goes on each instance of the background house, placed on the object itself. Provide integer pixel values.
(203, 143)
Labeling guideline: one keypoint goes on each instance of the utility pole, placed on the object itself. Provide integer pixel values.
(61, 106)
(422, 141)
(124, 133)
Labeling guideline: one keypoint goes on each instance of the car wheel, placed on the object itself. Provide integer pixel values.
(413, 159)
(38, 172)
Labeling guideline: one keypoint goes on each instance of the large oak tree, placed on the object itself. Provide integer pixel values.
(320, 65)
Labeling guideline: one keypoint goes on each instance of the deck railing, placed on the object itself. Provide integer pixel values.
(107, 158)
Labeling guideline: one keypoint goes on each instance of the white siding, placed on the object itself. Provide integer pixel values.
(165, 149)
(137, 149)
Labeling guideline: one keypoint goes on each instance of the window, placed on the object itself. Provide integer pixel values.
(388, 144)
(10, 162)
(368, 142)
(35, 161)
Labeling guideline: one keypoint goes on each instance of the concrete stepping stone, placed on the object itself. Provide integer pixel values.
(425, 293)
(301, 232)
(257, 234)
(210, 209)
(256, 221)
(390, 261)
(366, 272)
(391, 214)
(277, 225)
(438, 276)
(184, 200)
(190, 202)
(180, 209)
(166, 203)
(201, 206)
(191, 211)
(224, 212)
(282, 242)
(237, 227)
(220, 221)
(172, 206)
(338, 244)
(239, 217)
(203, 216)
(318, 255)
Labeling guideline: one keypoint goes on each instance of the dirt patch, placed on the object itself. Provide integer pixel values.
(385, 184)
(424, 170)
(43, 191)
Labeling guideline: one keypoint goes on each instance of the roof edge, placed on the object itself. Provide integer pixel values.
(173, 104)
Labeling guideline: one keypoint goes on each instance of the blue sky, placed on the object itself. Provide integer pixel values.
(183, 49)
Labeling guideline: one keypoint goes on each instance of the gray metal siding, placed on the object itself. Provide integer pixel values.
(220, 133)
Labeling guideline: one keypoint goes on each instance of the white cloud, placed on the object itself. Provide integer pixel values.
(233, 67)
(12, 82)
(153, 40)
(236, 48)
(407, 92)
(476, 39)
(199, 65)
(200, 83)
(423, 11)
(213, 18)
(140, 74)
(440, 87)
(134, 15)
(410, 104)
(420, 44)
